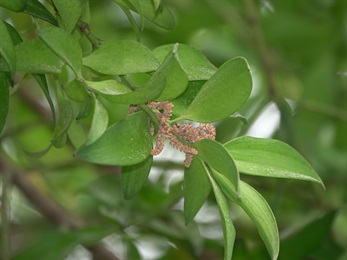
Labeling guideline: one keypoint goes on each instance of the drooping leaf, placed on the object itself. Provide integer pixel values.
(223, 94)
(13, 33)
(65, 46)
(270, 158)
(65, 118)
(227, 224)
(86, 108)
(193, 62)
(196, 189)
(69, 12)
(218, 158)
(161, 17)
(34, 56)
(121, 57)
(99, 122)
(7, 51)
(36, 9)
(14, 5)
(176, 78)
(256, 208)
(125, 143)
(4, 99)
(133, 177)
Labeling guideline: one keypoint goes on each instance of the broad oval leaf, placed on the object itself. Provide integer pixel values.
(35, 57)
(256, 208)
(69, 12)
(125, 143)
(218, 158)
(121, 57)
(270, 158)
(223, 94)
(193, 62)
(4, 99)
(65, 46)
(14, 5)
(36, 9)
(7, 51)
(196, 189)
(133, 177)
(227, 224)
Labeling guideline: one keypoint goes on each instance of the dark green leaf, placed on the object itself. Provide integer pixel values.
(69, 12)
(65, 118)
(65, 46)
(196, 189)
(36, 9)
(35, 57)
(13, 33)
(14, 5)
(4, 99)
(270, 158)
(125, 143)
(135, 176)
(86, 108)
(121, 57)
(193, 62)
(7, 51)
(223, 94)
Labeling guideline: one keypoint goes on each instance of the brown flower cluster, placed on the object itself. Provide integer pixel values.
(180, 136)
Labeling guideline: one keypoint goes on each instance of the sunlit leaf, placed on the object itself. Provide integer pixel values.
(193, 62)
(196, 189)
(4, 99)
(14, 5)
(133, 177)
(36, 9)
(125, 143)
(223, 94)
(7, 51)
(270, 158)
(65, 46)
(121, 57)
(69, 12)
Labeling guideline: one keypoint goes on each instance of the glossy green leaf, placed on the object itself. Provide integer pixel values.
(161, 17)
(35, 57)
(14, 5)
(125, 143)
(117, 92)
(193, 62)
(69, 12)
(36, 9)
(256, 208)
(65, 118)
(99, 123)
(4, 99)
(7, 51)
(218, 158)
(196, 189)
(223, 94)
(227, 224)
(270, 158)
(133, 177)
(65, 46)
(176, 78)
(121, 57)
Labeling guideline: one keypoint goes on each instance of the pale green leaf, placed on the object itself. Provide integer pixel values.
(223, 94)
(69, 12)
(121, 57)
(125, 143)
(4, 99)
(7, 51)
(270, 158)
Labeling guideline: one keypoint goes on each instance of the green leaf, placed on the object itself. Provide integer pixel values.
(256, 208)
(227, 224)
(35, 57)
(13, 33)
(161, 17)
(121, 57)
(125, 143)
(69, 12)
(99, 122)
(36, 9)
(223, 94)
(193, 62)
(218, 158)
(7, 51)
(196, 189)
(176, 78)
(65, 46)
(86, 108)
(65, 118)
(117, 92)
(4, 99)
(13, 5)
(270, 158)
(133, 177)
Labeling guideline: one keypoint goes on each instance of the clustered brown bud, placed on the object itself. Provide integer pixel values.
(180, 136)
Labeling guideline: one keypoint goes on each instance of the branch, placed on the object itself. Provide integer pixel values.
(50, 209)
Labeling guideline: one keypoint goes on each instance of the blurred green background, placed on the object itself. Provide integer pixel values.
(297, 50)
